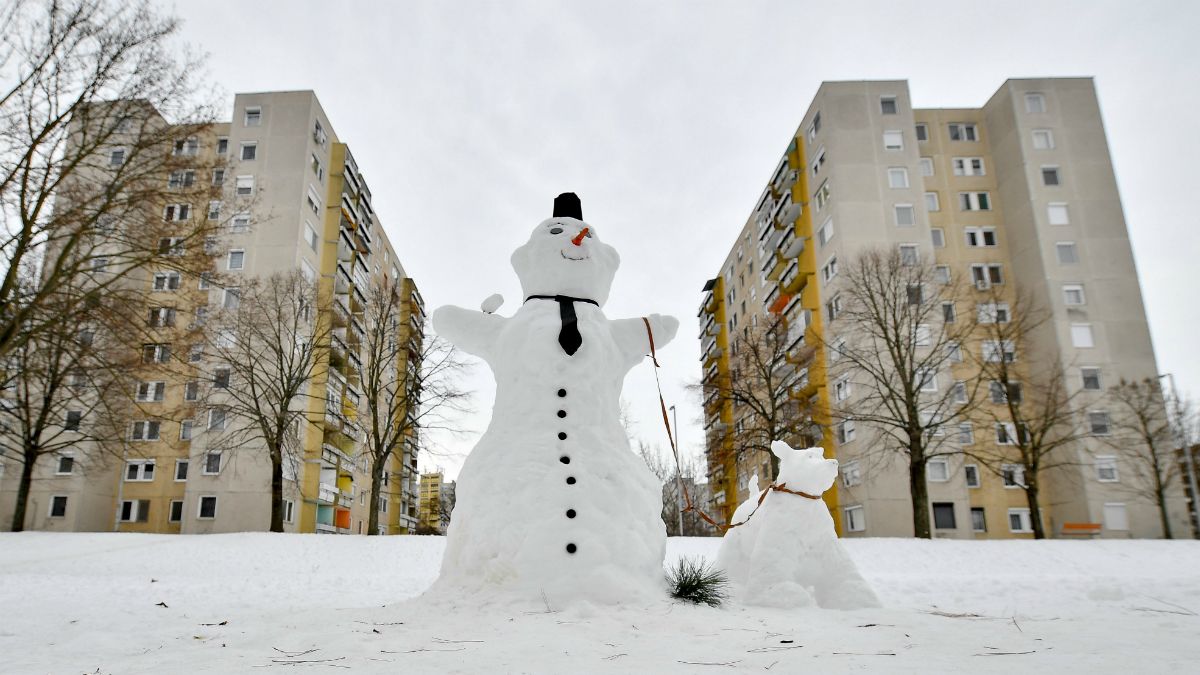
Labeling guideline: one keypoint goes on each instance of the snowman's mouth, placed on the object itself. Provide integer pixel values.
(567, 257)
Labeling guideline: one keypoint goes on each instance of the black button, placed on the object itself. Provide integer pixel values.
(570, 548)
(562, 393)
(564, 459)
(570, 480)
(562, 413)
(570, 513)
(562, 435)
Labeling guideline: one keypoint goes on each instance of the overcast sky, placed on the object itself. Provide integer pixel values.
(667, 118)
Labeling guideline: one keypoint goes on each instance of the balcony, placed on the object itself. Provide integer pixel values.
(327, 494)
(357, 335)
(346, 249)
(341, 280)
(796, 284)
(774, 268)
(358, 300)
(340, 314)
(785, 180)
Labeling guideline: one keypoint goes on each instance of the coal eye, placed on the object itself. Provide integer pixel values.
(589, 234)
(556, 230)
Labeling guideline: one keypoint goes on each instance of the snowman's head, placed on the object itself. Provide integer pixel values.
(561, 259)
(805, 470)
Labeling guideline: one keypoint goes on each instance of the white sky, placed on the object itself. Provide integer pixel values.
(667, 118)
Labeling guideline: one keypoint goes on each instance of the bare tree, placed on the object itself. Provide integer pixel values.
(1034, 414)
(85, 152)
(893, 346)
(1141, 432)
(264, 346)
(679, 520)
(409, 382)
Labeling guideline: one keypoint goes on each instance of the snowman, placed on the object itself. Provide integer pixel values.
(787, 554)
(552, 504)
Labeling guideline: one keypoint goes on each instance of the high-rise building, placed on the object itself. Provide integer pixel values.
(436, 502)
(1020, 192)
(290, 197)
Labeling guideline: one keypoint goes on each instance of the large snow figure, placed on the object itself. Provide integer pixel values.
(788, 554)
(552, 502)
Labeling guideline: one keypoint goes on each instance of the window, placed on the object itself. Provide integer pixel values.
(893, 140)
(135, 511)
(195, 353)
(1005, 434)
(937, 470)
(1019, 521)
(1035, 103)
(829, 270)
(181, 179)
(161, 317)
(1081, 335)
(834, 307)
(995, 351)
(856, 520)
(319, 133)
(1002, 392)
(941, 274)
(233, 298)
(245, 186)
(923, 336)
(74, 417)
(926, 165)
(139, 471)
(887, 105)
(960, 392)
(968, 166)
(983, 276)
(212, 463)
(1013, 475)
(186, 429)
(966, 434)
(208, 508)
(1043, 139)
(150, 391)
(216, 419)
(314, 201)
(818, 163)
(922, 131)
(841, 389)
(837, 349)
(181, 470)
(1050, 176)
(974, 201)
(931, 202)
(310, 236)
(949, 315)
(1073, 294)
(1057, 214)
(1067, 253)
(144, 431)
(821, 197)
(1098, 423)
(897, 177)
(58, 506)
(927, 379)
(214, 210)
(906, 216)
(910, 254)
(289, 510)
(249, 151)
(943, 516)
(1091, 379)
(186, 147)
(237, 259)
(992, 312)
(815, 127)
(65, 466)
(176, 513)
(963, 132)
(177, 212)
(1106, 469)
(222, 145)
(116, 157)
(826, 232)
(845, 432)
(1116, 517)
(221, 377)
(971, 474)
(978, 523)
(253, 116)
(317, 168)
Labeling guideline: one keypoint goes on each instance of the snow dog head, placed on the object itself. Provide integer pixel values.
(804, 470)
(552, 263)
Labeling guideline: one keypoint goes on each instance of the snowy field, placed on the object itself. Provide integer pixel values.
(252, 603)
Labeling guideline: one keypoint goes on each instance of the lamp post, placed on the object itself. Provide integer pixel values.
(678, 472)
(1181, 444)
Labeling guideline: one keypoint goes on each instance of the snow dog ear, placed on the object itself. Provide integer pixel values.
(779, 449)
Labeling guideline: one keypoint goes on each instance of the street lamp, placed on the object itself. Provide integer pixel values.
(678, 473)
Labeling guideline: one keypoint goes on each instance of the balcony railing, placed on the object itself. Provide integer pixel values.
(327, 494)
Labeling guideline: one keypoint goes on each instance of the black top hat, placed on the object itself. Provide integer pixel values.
(567, 205)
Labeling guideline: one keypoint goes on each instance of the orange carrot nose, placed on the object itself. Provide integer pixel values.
(579, 237)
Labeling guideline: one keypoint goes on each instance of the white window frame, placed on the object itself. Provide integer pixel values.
(1082, 336)
(151, 391)
(224, 419)
(968, 430)
(971, 200)
(829, 270)
(846, 432)
(910, 254)
(252, 146)
(200, 507)
(926, 164)
(893, 140)
(965, 130)
(147, 426)
(932, 203)
(186, 465)
(1043, 139)
(244, 187)
(1055, 171)
(970, 470)
(140, 470)
(968, 166)
(825, 232)
(1068, 290)
(58, 464)
(1017, 471)
(289, 510)
(897, 178)
(204, 470)
(1091, 424)
(855, 518)
(1070, 248)
(135, 511)
(1035, 102)
(883, 105)
(851, 473)
(1121, 525)
(252, 112)
(1107, 462)
(842, 389)
(1026, 523)
(945, 470)
(1083, 378)
(897, 209)
(66, 501)
(1058, 213)
(241, 253)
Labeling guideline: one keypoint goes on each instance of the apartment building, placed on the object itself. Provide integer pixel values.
(1018, 193)
(289, 196)
(436, 502)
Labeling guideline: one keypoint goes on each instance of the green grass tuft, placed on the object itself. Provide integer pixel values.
(697, 581)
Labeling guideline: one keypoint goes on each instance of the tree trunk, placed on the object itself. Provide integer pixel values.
(373, 506)
(919, 491)
(276, 490)
(1035, 509)
(18, 521)
(1160, 491)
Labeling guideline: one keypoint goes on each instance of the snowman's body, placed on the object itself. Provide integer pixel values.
(552, 504)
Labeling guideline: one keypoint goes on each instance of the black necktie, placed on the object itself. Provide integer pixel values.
(568, 335)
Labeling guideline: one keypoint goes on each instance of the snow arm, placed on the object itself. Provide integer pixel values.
(471, 331)
(631, 337)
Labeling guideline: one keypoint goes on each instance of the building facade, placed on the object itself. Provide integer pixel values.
(1018, 193)
(289, 196)
(436, 503)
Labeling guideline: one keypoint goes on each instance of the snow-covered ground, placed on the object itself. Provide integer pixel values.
(124, 603)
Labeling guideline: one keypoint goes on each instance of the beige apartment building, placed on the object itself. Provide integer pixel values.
(290, 196)
(436, 502)
(1017, 193)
